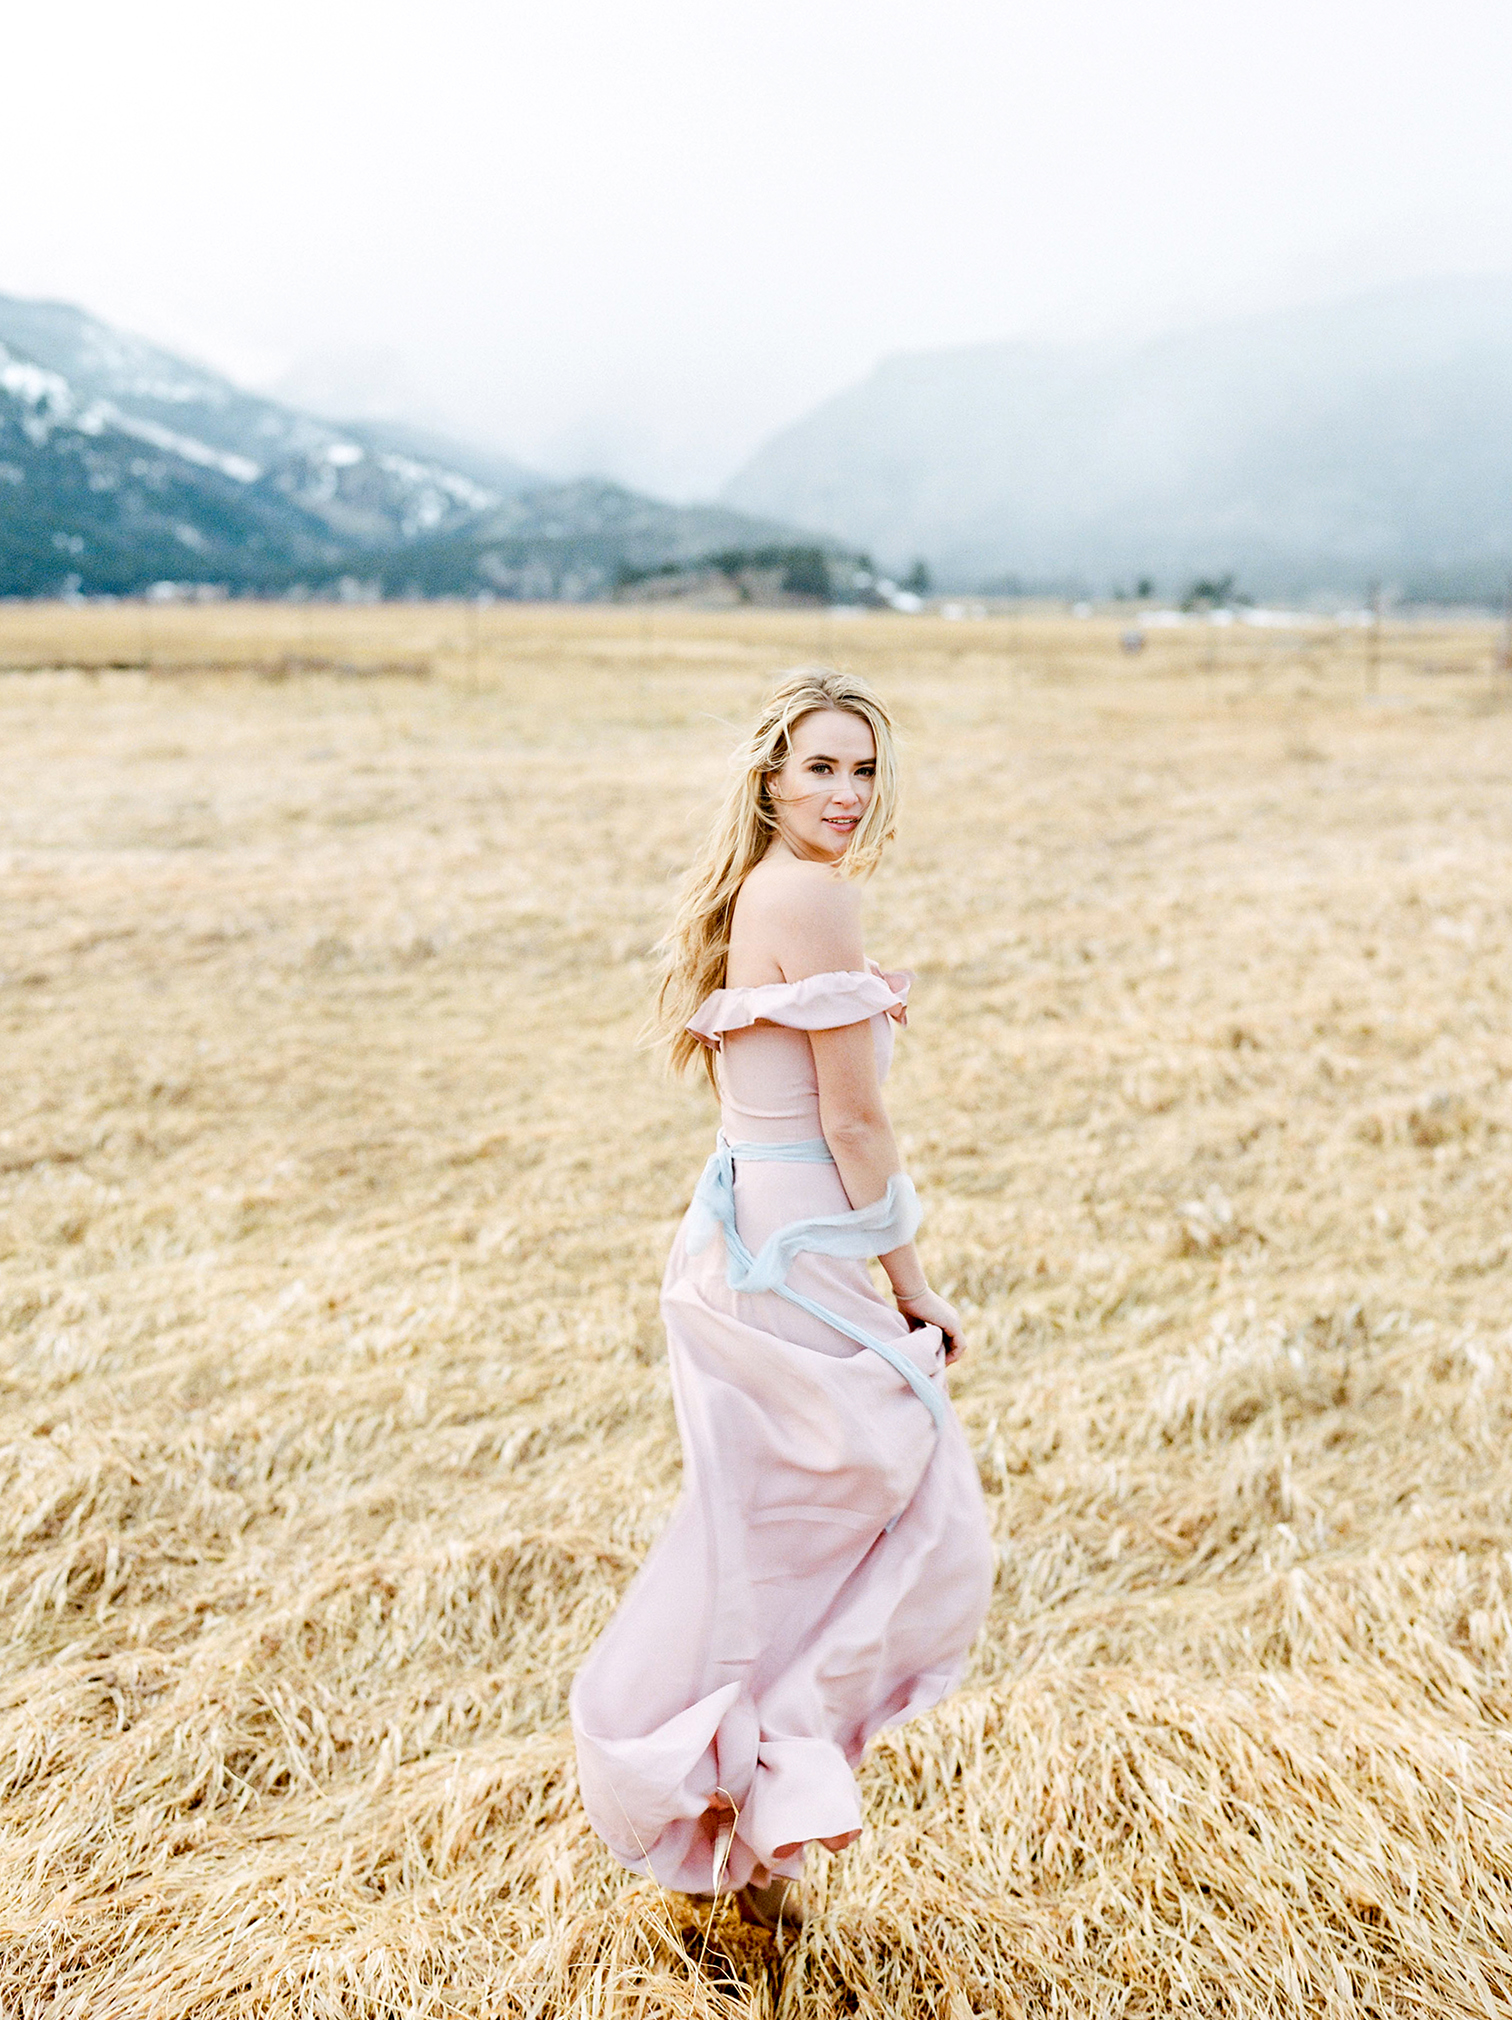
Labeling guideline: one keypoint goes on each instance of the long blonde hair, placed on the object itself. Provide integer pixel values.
(697, 944)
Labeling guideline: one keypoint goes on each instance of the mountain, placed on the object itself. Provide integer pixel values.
(571, 543)
(122, 465)
(1304, 450)
(499, 475)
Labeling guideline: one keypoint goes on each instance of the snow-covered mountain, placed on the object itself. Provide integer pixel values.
(574, 542)
(1311, 448)
(122, 465)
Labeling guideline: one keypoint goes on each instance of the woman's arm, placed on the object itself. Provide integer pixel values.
(818, 932)
(865, 1151)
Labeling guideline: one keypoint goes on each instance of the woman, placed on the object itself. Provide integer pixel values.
(828, 1565)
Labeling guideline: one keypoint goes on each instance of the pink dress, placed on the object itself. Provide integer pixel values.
(827, 1565)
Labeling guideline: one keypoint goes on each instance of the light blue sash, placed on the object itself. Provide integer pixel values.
(864, 1231)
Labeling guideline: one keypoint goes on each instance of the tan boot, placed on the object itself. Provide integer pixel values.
(777, 1905)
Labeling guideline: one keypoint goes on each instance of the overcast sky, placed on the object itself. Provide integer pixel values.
(639, 237)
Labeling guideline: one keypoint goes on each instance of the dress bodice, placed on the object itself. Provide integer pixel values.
(769, 1091)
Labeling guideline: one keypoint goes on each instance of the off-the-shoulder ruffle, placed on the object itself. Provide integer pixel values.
(817, 1003)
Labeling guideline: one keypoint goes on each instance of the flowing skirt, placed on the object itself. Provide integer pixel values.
(823, 1575)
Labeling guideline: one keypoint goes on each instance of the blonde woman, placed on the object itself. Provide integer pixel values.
(827, 1566)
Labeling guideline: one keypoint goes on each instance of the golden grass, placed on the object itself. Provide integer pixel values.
(333, 1199)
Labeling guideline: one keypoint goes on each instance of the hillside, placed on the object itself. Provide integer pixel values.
(567, 543)
(1310, 449)
(122, 466)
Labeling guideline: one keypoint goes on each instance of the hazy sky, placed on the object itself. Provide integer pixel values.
(638, 237)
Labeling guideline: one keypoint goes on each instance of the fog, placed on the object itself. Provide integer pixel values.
(637, 239)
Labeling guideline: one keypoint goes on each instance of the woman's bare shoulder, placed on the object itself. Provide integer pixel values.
(807, 919)
(793, 889)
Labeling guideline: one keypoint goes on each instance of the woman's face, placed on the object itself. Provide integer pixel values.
(826, 785)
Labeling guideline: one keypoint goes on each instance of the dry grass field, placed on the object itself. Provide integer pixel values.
(334, 1196)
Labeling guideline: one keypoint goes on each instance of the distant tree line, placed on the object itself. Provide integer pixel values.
(801, 570)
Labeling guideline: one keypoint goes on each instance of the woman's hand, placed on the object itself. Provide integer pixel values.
(930, 1309)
